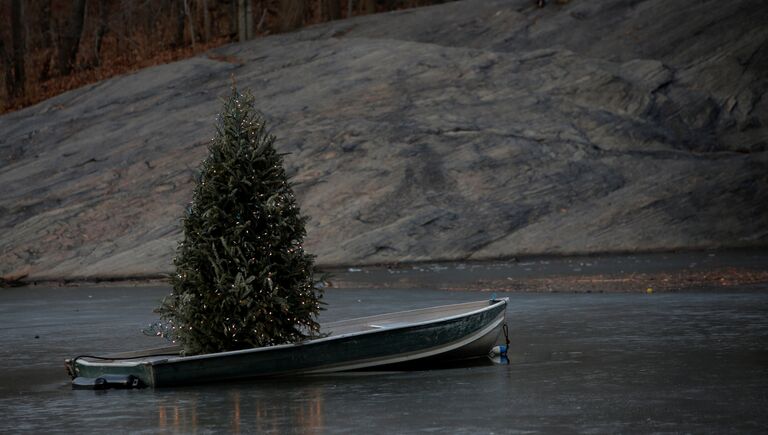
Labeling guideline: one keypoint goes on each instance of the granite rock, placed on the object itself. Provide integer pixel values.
(478, 129)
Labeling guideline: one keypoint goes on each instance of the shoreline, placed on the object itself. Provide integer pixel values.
(682, 281)
(594, 273)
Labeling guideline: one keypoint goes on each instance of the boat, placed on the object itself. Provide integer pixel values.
(430, 335)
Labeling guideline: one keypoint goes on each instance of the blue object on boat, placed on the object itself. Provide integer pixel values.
(499, 350)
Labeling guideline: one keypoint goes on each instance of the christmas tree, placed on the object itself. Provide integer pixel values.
(242, 277)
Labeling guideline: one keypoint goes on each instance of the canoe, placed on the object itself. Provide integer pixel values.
(437, 334)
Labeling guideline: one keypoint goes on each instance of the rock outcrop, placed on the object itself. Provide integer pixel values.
(478, 129)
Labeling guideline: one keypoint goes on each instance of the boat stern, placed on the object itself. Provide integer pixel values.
(89, 373)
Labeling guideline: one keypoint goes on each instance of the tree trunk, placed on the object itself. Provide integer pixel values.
(5, 60)
(264, 11)
(233, 18)
(70, 37)
(180, 23)
(167, 10)
(206, 22)
(245, 29)
(290, 14)
(249, 33)
(101, 30)
(367, 7)
(191, 20)
(19, 48)
(242, 21)
(45, 32)
(332, 10)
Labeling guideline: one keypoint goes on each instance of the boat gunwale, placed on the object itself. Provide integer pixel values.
(163, 359)
(495, 324)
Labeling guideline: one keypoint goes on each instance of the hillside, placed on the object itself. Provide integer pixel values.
(470, 130)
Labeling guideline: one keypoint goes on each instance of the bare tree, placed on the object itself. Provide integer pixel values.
(264, 11)
(191, 20)
(331, 10)
(5, 59)
(101, 30)
(233, 18)
(367, 7)
(249, 32)
(18, 32)
(41, 39)
(69, 35)
(242, 29)
(290, 14)
(244, 20)
(206, 21)
(180, 21)
(47, 43)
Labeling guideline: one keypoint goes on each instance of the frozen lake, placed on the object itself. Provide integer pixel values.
(586, 363)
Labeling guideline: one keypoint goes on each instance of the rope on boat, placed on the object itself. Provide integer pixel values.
(502, 349)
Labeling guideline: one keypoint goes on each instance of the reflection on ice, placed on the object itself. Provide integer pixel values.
(242, 413)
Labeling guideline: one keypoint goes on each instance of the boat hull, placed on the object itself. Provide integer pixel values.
(455, 337)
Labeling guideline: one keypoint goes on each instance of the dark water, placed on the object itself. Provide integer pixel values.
(583, 363)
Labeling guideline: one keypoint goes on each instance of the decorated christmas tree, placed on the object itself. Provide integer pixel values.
(242, 276)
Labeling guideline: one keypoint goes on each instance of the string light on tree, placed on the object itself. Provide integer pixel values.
(242, 277)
